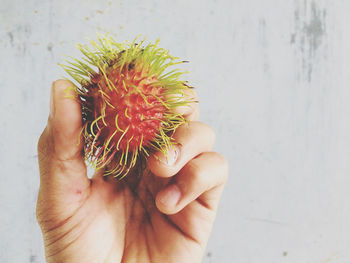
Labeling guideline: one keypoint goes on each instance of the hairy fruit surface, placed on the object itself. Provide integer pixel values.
(128, 94)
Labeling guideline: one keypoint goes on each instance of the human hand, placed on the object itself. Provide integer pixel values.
(163, 215)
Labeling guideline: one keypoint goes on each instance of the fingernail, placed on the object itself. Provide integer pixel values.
(171, 156)
(170, 196)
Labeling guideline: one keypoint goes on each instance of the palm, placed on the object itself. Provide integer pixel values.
(119, 219)
(147, 231)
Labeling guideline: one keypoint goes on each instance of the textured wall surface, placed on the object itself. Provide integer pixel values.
(273, 80)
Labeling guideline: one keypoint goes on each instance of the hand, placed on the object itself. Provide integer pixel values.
(164, 215)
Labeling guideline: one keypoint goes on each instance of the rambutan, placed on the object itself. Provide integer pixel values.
(128, 95)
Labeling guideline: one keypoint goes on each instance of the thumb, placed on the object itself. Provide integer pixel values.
(60, 146)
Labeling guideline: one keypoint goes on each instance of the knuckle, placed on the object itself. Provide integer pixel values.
(222, 164)
(196, 127)
(183, 185)
(193, 168)
(44, 146)
(208, 130)
(211, 133)
(222, 160)
(41, 146)
(38, 212)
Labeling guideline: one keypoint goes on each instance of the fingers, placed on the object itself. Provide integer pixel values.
(191, 139)
(193, 172)
(201, 179)
(59, 147)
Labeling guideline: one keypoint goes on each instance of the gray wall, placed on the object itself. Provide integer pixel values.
(273, 80)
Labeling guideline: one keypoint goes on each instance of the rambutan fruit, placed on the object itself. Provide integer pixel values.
(128, 93)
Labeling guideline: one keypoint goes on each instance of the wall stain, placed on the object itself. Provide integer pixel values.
(264, 44)
(18, 38)
(49, 47)
(314, 30)
(292, 38)
(310, 31)
(10, 34)
(32, 259)
(209, 256)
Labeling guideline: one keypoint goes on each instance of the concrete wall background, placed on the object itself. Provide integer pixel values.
(273, 80)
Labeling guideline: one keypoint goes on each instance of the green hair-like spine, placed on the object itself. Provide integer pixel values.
(106, 54)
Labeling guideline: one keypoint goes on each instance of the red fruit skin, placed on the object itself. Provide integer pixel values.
(131, 106)
(128, 92)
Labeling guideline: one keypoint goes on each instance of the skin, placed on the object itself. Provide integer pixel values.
(165, 215)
